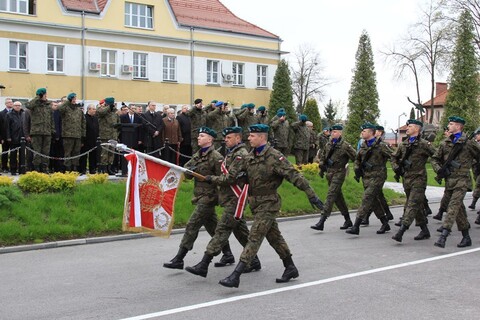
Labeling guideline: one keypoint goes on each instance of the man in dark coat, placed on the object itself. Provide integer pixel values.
(152, 126)
(186, 128)
(90, 141)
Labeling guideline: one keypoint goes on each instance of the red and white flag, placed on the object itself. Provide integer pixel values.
(151, 189)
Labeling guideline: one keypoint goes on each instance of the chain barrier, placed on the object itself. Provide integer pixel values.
(178, 152)
(10, 150)
(58, 158)
(107, 147)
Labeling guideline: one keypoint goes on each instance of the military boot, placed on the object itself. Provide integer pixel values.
(366, 220)
(290, 271)
(439, 215)
(399, 235)
(388, 213)
(424, 233)
(201, 268)
(474, 202)
(440, 229)
(466, 240)
(255, 265)
(227, 257)
(399, 222)
(177, 261)
(443, 238)
(355, 229)
(348, 223)
(427, 209)
(110, 170)
(320, 223)
(385, 226)
(233, 280)
(477, 221)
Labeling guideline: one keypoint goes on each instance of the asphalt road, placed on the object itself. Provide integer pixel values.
(341, 277)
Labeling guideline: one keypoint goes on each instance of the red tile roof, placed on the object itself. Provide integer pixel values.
(439, 100)
(212, 14)
(86, 5)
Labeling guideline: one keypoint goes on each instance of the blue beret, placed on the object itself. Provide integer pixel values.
(303, 117)
(261, 108)
(413, 121)
(259, 128)
(456, 119)
(219, 104)
(229, 130)
(71, 96)
(208, 131)
(381, 128)
(109, 100)
(250, 106)
(41, 91)
(368, 125)
(336, 127)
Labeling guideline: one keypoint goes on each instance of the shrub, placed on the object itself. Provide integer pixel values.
(5, 181)
(8, 195)
(99, 178)
(34, 182)
(62, 181)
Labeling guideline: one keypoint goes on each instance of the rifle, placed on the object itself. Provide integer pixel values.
(365, 164)
(328, 161)
(449, 165)
(405, 164)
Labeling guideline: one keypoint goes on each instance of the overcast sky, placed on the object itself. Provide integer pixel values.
(333, 28)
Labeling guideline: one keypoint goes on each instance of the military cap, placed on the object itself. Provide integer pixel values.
(456, 119)
(208, 131)
(413, 121)
(219, 104)
(336, 127)
(197, 101)
(368, 125)
(281, 112)
(380, 128)
(326, 129)
(110, 100)
(41, 91)
(259, 128)
(243, 106)
(261, 108)
(214, 101)
(229, 130)
(250, 105)
(303, 117)
(71, 96)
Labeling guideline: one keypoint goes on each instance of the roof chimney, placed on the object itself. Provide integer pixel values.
(440, 87)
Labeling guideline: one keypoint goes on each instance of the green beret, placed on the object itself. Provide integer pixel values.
(261, 108)
(41, 91)
(336, 127)
(368, 125)
(208, 131)
(214, 101)
(259, 128)
(250, 106)
(281, 112)
(456, 119)
(413, 121)
(229, 130)
(71, 96)
(381, 128)
(243, 106)
(303, 117)
(326, 129)
(109, 100)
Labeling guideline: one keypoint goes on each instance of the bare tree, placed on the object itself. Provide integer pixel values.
(308, 79)
(472, 7)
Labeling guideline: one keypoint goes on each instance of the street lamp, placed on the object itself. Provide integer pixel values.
(398, 127)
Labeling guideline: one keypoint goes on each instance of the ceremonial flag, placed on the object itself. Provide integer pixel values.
(152, 185)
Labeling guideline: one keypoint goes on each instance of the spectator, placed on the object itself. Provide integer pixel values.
(186, 128)
(132, 118)
(5, 143)
(14, 132)
(56, 145)
(173, 137)
(90, 141)
(153, 127)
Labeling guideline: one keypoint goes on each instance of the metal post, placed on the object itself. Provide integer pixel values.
(22, 168)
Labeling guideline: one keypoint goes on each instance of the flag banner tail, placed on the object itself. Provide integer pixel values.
(241, 203)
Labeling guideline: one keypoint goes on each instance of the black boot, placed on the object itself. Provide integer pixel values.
(290, 271)
(255, 265)
(177, 261)
(443, 238)
(477, 221)
(399, 235)
(385, 226)
(439, 215)
(399, 223)
(427, 209)
(348, 223)
(355, 229)
(320, 223)
(424, 233)
(440, 229)
(110, 170)
(227, 257)
(474, 202)
(201, 268)
(466, 240)
(388, 213)
(366, 220)
(233, 280)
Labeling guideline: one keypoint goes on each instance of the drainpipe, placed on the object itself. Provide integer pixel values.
(83, 57)
(192, 66)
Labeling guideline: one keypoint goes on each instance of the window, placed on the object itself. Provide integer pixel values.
(55, 58)
(238, 73)
(18, 6)
(261, 76)
(140, 65)
(108, 63)
(18, 55)
(138, 15)
(169, 68)
(212, 71)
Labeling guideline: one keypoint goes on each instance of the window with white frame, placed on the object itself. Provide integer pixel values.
(18, 55)
(55, 58)
(18, 6)
(138, 15)
(212, 71)
(169, 68)
(109, 63)
(238, 73)
(261, 76)
(140, 65)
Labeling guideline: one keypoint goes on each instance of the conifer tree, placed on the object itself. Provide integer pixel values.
(282, 93)
(412, 113)
(330, 113)
(311, 111)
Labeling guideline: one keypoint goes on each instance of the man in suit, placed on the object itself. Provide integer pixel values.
(132, 118)
(5, 143)
(152, 127)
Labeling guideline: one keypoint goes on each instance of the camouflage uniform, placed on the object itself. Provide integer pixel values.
(245, 119)
(262, 118)
(281, 130)
(107, 118)
(322, 142)
(218, 120)
(41, 130)
(198, 118)
(301, 141)
(73, 130)
(313, 145)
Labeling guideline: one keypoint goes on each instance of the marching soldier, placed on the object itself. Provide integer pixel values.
(265, 170)
(301, 140)
(281, 129)
(443, 202)
(370, 165)
(409, 162)
(452, 162)
(333, 160)
(232, 197)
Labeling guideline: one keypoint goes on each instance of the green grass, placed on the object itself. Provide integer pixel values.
(430, 176)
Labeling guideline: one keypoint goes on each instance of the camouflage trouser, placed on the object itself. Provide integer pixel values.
(414, 206)
(106, 157)
(456, 211)
(335, 196)
(203, 215)
(476, 191)
(225, 227)
(370, 200)
(41, 144)
(71, 147)
(265, 225)
(443, 202)
(301, 156)
(283, 150)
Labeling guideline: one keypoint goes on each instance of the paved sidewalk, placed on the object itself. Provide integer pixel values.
(433, 194)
